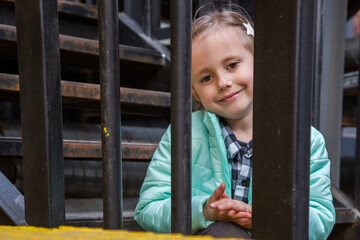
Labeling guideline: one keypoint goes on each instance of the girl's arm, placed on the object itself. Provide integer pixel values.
(322, 212)
(153, 211)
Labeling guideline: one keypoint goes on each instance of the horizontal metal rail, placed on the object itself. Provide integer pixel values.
(78, 9)
(91, 47)
(68, 7)
(89, 91)
(12, 147)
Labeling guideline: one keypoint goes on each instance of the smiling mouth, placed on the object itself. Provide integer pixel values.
(230, 96)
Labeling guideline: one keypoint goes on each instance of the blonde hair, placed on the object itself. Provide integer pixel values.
(231, 15)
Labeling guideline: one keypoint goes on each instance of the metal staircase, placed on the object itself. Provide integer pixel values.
(145, 104)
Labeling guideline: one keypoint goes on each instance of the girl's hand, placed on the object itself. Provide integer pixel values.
(240, 218)
(220, 207)
(211, 213)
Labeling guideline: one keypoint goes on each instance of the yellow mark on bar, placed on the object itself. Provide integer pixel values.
(81, 233)
(104, 130)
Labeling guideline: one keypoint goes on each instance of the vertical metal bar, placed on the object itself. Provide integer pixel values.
(328, 84)
(133, 9)
(357, 158)
(110, 113)
(146, 17)
(282, 93)
(155, 16)
(41, 111)
(180, 13)
(315, 121)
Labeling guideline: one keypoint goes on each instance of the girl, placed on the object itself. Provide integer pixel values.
(222, 81)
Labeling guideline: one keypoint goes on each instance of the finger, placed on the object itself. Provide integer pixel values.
(242, 215)
(228, 204)
(222, 201)
(219, 191)
(244, 222)
(243, 205)
(224, 216)
(224, 204)
(232, 214)
(240, 207)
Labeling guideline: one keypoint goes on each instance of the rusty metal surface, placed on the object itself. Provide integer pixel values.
(79, 9)
(7, 33)
(143, 55)
(9, 82)
(91, 47)
(12, 147)
(80, 90)
(73, 8)
(345, 215)
(145, 97)
(91, 91)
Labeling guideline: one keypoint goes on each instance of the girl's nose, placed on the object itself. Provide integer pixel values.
(224, 83)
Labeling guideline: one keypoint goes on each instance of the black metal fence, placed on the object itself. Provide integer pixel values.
(43, 51)
(282, 88)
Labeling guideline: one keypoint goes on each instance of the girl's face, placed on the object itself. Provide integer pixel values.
(222, 73)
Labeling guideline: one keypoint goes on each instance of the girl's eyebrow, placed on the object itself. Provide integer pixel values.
(231, 57)
(224, 61)
(202, 71)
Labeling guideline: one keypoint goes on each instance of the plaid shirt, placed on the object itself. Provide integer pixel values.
(240, 155)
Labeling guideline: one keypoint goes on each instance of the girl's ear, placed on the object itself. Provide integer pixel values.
(195, 95)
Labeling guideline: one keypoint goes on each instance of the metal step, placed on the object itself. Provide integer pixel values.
(81, 49)
(87, 95)
(95, 219)
(347, 217)
(78, 9)
(78, 28)
(346, 213)
(76, 149)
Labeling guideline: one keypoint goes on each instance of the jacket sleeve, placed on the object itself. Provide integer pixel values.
(153, 211)
(322, 212)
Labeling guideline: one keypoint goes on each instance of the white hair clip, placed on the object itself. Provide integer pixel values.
(249, 29)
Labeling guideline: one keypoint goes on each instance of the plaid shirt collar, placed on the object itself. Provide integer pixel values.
(233, 146)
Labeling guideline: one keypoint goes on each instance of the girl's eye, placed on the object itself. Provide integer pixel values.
(206, 78)
(232, 65)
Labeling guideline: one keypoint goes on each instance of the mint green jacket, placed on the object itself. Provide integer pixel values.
(210, 167)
